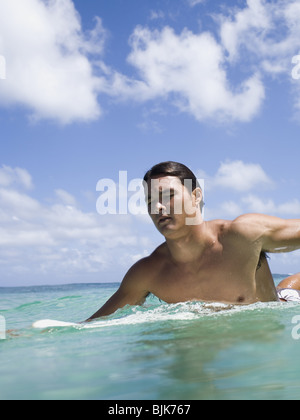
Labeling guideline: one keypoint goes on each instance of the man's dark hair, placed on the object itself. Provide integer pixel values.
(174, 169)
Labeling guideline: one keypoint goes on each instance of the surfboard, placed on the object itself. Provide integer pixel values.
(50, 323)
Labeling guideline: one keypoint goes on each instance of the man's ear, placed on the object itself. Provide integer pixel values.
(197, 193)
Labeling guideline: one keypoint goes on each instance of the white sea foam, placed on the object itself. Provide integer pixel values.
(163, 313)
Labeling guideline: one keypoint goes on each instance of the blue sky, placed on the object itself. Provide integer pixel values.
(97, 87)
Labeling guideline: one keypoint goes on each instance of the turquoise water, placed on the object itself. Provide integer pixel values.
(155, 352)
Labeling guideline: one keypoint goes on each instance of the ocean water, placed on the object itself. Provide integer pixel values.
(188, 351)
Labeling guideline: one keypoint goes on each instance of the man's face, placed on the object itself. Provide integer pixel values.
(169, 204)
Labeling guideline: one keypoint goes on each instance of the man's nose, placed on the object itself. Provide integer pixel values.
(160, 208)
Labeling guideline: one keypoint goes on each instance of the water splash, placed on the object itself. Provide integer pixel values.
(187, 311)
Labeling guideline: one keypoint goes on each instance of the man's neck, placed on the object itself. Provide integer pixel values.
(189, 247)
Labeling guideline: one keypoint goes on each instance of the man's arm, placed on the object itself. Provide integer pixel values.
(133, 291)
(281, 235)
(274, 234)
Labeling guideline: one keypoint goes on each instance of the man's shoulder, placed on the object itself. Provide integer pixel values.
(244, 225)
(147, 266)
(243, 218)
(251, 225)
(219, 226)
(252, 219)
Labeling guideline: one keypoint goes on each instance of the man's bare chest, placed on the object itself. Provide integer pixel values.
(217, 277)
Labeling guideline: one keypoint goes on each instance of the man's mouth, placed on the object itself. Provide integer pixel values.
(164, 219)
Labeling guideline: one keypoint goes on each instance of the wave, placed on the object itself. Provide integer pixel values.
(28, 305)
(167, 313)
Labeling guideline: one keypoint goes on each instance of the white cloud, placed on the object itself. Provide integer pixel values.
(231, 209)
(238, 176)
(257, 205)
(193, 3)
(156, 14)
(188, 70)
(15, 176)
(46, 54)
(58, 239)
(191, 70)
(253, 203)
(56, 70)
(65, 197)
(291, 208)
(268, 206)
(18, 205)
(241, 176)
(250, 22)
(267, 31)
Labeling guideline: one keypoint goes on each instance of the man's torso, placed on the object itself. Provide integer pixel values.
(231, 269)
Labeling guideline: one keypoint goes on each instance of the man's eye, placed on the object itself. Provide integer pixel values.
(168, 196)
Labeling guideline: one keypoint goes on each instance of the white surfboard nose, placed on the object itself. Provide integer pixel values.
(49, 323)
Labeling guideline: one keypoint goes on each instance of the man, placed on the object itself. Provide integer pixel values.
(216, 260)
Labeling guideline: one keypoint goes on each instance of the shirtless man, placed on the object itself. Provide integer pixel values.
(218, 260)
